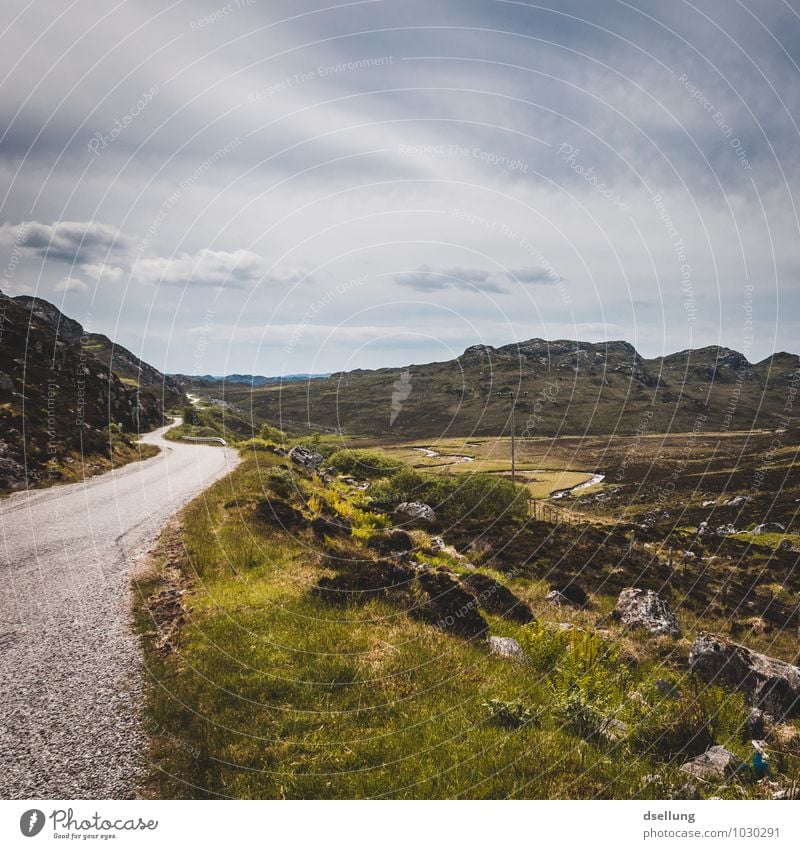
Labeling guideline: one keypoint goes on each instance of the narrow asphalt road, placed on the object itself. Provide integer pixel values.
(71, 678)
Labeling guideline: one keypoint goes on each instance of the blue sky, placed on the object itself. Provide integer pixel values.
(278, 187)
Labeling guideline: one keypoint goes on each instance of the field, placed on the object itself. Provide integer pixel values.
(280, 669)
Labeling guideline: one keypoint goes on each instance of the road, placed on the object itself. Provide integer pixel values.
(71, 677)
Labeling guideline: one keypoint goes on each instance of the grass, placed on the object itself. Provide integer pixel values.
(269, 692)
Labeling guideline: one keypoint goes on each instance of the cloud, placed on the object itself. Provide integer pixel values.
(232, 269)
(534, 276)
(428, 279)
(75, 242)
(71, 284)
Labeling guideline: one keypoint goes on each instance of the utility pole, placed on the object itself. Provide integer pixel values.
(507, 393)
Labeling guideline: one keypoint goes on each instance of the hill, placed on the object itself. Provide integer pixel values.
(69, 400)
(572, 388)
(189, 382)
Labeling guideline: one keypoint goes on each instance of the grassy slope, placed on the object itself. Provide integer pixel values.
(272, 693)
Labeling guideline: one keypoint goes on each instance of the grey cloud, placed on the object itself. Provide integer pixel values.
(533, 276)
(428, 279)
(75, 242)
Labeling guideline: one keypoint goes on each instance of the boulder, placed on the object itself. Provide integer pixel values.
(716, 764)
(646, 609)
(726, 530)
(497, 599)
(738, 501)
(305, 457)
(415, 513)
(506, 647)
(557, 598)
(767, 683)
(769, 528)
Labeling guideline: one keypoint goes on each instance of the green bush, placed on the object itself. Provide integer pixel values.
(511, 714)
(271, 434)
(361, 463)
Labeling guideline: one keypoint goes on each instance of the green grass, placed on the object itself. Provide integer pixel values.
(272, 693)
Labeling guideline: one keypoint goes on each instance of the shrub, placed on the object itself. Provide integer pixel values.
(512, 714)
(478, 497)
(674, 726)
(364, 464)
(271, 434)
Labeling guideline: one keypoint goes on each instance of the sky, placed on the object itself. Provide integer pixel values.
(282, 187)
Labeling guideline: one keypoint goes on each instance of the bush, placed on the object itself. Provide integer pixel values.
(509, 714)
(271, 434)
(361, 463)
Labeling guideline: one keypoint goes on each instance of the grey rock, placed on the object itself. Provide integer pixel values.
(305, 457)
(769, 528)
(557, 598)
(506, 647)
(767, 683)
(738, 501)
(726, 530)
(415, 512)
(715, 764)
(646, 609)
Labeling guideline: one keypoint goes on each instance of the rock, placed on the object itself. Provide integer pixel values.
(615, 729)
(437, 544)
(646, 609)
(687, 791)
(726, 530)
(715, 764)
(769, 528)
(769, 684)
(738, 501)
(667, 689)
(557, 598)
(506, 647)
(305, 457)
(391, 543)
(497, 599)
(415, 512)
(708, 503)
(756, 724)
(280, 513)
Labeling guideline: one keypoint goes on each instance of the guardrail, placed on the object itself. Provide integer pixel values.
(217, 439)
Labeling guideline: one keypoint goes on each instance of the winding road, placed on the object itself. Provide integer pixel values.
(71, 676)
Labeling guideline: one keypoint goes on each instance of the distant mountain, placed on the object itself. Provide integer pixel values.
(187, 381)
(572, 388)
(61, 388)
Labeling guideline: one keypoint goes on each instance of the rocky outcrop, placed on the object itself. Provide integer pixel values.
(716, 764)
(306, 457)
(769, 684)
(646, 609)
(415, 513)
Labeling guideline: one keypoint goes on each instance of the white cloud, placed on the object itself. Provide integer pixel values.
(71, 284)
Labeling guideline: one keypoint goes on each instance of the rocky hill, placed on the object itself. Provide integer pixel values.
(68, 399)
(572, 388)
